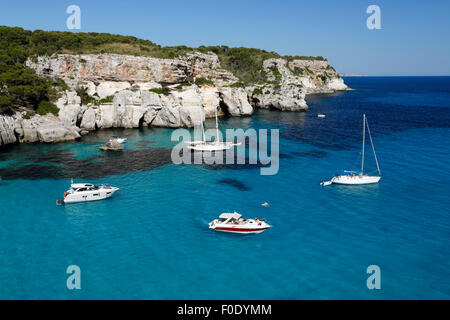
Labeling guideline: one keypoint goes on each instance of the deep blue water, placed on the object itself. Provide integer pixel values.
(151, 241)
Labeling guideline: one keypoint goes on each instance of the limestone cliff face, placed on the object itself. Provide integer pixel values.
(290, 81)
(126, 81)
(87, 68)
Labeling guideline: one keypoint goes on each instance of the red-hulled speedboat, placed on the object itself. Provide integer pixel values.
(232, 222)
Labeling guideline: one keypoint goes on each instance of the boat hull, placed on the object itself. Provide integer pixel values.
(211, 146)
(241, 230)
(355, 180)
(93, 195)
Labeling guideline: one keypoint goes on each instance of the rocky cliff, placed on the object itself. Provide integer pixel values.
(134, 91)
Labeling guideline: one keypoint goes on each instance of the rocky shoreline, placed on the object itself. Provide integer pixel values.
(128, 93)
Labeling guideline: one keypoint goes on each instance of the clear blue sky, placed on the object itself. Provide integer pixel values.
(414, 39)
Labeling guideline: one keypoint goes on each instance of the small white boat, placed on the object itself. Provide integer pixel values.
(325, 183)
(82, 192)
(216, 145)
(118, 139)
(234, 223)
(321, 115)
(210, 146)
(357, 177)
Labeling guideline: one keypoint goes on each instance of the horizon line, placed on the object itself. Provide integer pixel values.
(369, 76)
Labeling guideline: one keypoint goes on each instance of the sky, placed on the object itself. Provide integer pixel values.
(414, 38)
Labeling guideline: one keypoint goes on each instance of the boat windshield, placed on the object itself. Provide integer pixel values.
(86, 188)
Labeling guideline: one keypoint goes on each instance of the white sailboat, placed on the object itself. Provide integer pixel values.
(358, 177)
(215, 145)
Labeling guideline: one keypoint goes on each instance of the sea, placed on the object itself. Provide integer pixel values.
(151, 239)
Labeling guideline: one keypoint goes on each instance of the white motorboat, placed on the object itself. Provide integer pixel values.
(215, 145)
(357, 177)
(321, 115)
(234, 223)
(82, 192)
(118, 139)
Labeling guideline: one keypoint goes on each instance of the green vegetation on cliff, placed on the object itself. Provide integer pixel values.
(21, 87)
(202, 81)
(163, 90)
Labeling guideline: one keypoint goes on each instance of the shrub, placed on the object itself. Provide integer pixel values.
(108, 99)
(61, 84)
(275, 72)
(245, 63)
(47, 107)
(257, 91)
(319, 58)
(181, 85)
(237, 85)
(201, 81)
(27, 115)
(163, 90)
(324, 78)
(85, 97)
(308, 70)
(297, 71)
(5, 103)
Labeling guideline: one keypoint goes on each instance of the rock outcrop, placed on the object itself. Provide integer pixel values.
(285, 97)
(8, 130)
(235, 101)
(46, 128)
(290, 81)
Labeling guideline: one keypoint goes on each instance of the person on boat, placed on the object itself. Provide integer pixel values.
(256, 219)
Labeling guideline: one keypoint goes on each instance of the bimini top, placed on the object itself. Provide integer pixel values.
(347, 172)
(234, 215)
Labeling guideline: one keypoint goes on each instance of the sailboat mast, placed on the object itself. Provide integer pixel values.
(373, 147)
(364, 141)
(203, 133)
(217, 128)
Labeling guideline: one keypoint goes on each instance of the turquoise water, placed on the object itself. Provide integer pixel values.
(151, 240)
